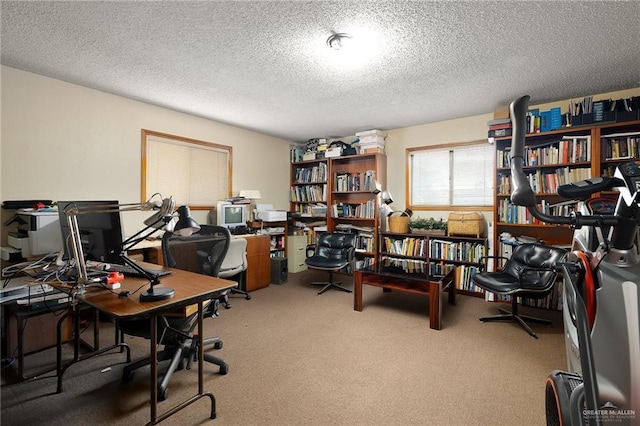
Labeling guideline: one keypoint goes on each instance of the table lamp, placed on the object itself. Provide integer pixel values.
(184, 226)
(251, 194)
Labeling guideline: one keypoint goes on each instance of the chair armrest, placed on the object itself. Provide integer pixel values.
(483, 259)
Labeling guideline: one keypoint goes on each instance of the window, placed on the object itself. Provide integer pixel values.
(193, 172)
(458, 175)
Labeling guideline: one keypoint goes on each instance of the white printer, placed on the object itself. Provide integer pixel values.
(38, 232)
(266, 213)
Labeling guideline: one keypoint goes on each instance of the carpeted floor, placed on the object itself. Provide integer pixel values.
(297, 358)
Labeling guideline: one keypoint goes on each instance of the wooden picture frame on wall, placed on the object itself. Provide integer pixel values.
(194, 172)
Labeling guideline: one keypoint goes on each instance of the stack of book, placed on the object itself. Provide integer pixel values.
(371, 141)
(499, 127)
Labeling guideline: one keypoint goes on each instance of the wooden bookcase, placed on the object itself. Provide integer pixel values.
(592, 156)
(435, 255)
(309, 195)
(352, 204)
(335, 194)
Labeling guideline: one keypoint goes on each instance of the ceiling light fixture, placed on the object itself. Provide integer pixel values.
(336, 41)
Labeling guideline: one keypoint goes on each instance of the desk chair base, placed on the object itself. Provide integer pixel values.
(239, 278)
(217, 344)
(514, 316)
(330, 284)
(178, 356)
(238, 291)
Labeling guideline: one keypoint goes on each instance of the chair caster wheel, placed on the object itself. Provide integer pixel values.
(217, 345)
(224, 369)
(248, 297)
(163, 394)
(227, 306)
(127, 376)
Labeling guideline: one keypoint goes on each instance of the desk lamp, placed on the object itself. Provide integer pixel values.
(251, 194)
(184, 226)
(385, 198)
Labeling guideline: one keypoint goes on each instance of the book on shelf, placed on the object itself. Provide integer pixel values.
(499, 122)
(464, 281)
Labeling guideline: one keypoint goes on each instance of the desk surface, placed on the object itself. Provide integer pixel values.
(157, 242)
(189, 288)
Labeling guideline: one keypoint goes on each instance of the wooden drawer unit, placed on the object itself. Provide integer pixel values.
(296, 253)
(258, 272)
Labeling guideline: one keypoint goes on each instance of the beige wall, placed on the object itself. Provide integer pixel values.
(64, 141)
(61, 140)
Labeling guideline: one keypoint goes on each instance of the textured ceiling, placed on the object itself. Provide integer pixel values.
(265, 65)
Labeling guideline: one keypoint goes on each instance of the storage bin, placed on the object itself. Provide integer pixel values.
(399, 224)
(466, 224)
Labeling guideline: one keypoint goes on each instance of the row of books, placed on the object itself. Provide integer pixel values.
(365, 243)
(312, 231)
(464, 251)
(438, 269)
(317, 173)
(416, 247)
(362, 211)
(311, 210)
(365, 181)
(296, 153)
(308, 193)
(463, 279)
(364, 262)
(547, 183)
(552, 301)
(510, 213)
(406, 266)
(570, 149)
(619, 147)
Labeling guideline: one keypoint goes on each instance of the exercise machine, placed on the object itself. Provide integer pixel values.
(601, 294)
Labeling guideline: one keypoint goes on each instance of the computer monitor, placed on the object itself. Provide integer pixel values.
(100, 233)
(231, 215)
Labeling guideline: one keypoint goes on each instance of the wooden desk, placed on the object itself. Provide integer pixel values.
(258, 273)
(189, 288)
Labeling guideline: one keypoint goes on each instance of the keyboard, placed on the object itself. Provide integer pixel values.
(128, 271)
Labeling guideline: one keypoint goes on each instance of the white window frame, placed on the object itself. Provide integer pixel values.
(436, 173)
(194, 172)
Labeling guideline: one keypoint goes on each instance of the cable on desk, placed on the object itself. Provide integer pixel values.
(27, 267)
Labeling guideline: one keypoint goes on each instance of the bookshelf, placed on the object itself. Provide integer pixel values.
(352, 206)
(277, 233)
(308, 194)
(435, 255)
(554, 158)
(335, 194)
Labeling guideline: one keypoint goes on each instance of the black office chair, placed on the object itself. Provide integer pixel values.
(528, 273)
(334, 251)
(201, 252)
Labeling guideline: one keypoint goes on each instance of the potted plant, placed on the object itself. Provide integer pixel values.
(422, 225)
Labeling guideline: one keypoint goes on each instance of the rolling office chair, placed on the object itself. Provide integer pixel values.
(201, 252)
(528, 273)
(234, 266)
(334, 251)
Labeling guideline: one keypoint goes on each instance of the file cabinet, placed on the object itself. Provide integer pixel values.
(296, 253)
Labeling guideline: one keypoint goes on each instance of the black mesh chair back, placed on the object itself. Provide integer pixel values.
(203, 253)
